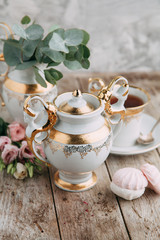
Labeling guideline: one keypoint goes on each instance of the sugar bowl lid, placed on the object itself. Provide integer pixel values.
(76, 105)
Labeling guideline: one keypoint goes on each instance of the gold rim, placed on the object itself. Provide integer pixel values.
(87, 138)
(26, 88)
(75, 187)
(138, 109)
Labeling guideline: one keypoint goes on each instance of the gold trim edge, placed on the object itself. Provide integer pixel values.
(87, 138)
(75, 187)
(26, 88)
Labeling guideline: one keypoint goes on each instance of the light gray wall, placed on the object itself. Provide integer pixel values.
(125, 34)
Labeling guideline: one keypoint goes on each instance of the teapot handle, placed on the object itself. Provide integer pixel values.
(118, 88)
(35, 126)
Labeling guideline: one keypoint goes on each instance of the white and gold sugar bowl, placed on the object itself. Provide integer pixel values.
(76, 132)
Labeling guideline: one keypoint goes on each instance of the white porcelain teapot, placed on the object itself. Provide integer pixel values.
(76, 134)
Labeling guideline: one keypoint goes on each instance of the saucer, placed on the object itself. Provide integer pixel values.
(148, 122)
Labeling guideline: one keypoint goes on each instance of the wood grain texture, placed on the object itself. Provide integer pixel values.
(90, 215)
(26, 209)
(141, 216)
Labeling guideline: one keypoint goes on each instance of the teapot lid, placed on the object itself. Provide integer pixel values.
(76, 105)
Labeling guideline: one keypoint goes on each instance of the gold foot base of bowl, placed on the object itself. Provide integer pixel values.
(75, 187)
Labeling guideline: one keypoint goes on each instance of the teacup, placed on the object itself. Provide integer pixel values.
(135, 104)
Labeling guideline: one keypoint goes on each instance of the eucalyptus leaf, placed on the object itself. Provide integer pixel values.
(60, 32)
(71, 55)
(38, 53)
(25, 20)
(13, 42)
(53, 55)
(57, 43)
(29, 47)
(52, 75)
(53, 64)
(72, 65)
(19, 31)
(12, 55)
(79, 53)
(46, 59)
(34, 32)
(47, 39)
(25, 65)
(85, 63)
(73, 37)
(39, 78)
(49, 77)
(85, 37)
(86, 52)
(54, 27)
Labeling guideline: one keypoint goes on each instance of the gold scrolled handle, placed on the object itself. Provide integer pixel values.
(41, 126)
(118, 88)
(95, 85)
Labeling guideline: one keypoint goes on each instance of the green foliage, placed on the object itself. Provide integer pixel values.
(2, 165)
(60, 46)
(25, 20)
(3, 127)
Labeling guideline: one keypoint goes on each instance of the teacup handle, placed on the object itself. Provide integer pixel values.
(41, 126)
(118, 88)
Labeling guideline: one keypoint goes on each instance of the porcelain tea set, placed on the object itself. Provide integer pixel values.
(76, 131)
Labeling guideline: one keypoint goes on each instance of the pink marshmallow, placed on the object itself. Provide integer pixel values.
(130, 178)
(153, 176)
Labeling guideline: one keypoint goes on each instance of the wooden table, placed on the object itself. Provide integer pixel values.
(36, 209)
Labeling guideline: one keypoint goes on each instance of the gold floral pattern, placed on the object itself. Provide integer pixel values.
(83, 150)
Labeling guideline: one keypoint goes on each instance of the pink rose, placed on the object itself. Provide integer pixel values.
(25, 152)
(3, 141)
(17, 131)
(10, 153)
(40, 151)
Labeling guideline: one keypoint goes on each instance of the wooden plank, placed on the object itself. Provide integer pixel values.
(26, 208)
(142, 215)
(90, 215)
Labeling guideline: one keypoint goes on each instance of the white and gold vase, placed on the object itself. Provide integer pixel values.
(18, 85)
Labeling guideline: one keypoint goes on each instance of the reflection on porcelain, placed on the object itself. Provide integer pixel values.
(77, 136)
(132, 120)
(21, 85)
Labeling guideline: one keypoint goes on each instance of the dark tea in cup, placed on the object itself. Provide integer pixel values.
(131, 101)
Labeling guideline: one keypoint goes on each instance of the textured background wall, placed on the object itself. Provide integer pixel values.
(125, 35)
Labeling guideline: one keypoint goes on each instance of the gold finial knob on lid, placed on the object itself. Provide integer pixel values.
(77, 93)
